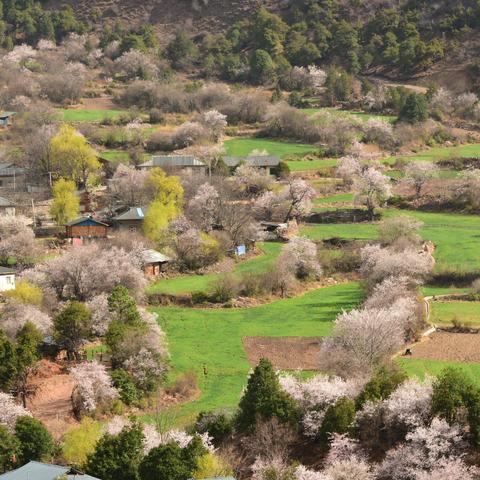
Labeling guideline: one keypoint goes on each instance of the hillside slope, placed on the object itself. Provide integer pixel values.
(196, 16)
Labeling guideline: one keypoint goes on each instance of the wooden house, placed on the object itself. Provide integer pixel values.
(154, 262)
(86, 227)
(12, 176)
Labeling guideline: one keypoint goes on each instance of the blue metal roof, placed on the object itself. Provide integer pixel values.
(85, 222)
(43, 471)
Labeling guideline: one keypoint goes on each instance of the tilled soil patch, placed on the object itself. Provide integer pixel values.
(285, 353)
(447, 346)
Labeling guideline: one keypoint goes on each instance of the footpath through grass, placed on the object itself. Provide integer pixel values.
(213, 338)
(242, 147)
(456, 237)
(194, 283)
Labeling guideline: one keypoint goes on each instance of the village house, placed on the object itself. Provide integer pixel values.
(267, 163)
(85, 228)
(131, 220)
(185, 163)
(6, 207)
(43, 471)
(12, 176)
(7, 279)
(6, 118)
(154, 262)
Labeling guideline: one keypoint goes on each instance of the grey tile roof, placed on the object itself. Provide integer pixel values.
(43, 471)
(5, 202)
(172, 161)
(133, 213)
(6, 271)
(10, 169)
(253, 161)
(152, 256)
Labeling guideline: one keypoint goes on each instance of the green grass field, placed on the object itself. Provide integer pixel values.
(89, 115)
(455, 236)
(339, 198)
(466, 312)
(421, 368)
(439, 153)
(194, 283)
(306, 165)
(116, 156)
(244, 146)
(213, 338)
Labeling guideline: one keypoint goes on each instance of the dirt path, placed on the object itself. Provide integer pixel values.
(52, 401)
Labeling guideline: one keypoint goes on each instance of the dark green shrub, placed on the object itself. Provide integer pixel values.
(124, 383)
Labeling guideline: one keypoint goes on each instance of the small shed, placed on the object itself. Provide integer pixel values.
(86, 227)
(12, 176)
(44, 471)
(187, 163)
(6, 207)
(131, 220)
(154, 262)
(7, 279)
(264, 162)
(6, 118)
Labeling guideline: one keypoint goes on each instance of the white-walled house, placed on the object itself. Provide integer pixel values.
(7, 279)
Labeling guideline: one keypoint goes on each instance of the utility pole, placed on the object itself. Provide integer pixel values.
(33, 212)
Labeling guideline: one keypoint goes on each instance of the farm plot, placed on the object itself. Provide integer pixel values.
(468, 313)
(449, 347)
(90, 115)
(209, 342)
(285, 353)
(245, 146)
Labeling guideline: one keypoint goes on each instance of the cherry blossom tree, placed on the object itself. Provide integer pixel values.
(400, 229)
(252, 181)
(371, 188)
(16, 314)
(136, 65)
(379, 132)
(85, 272)
(424, 450)
(299, 257)
(388, 291)
(101, 315)
(379, 263)
(17, 239)
(93, 387)
(203, 207)
(129, 186)
(298, 195)
(348, 169)
(450, 469)
(215, 122)
(419, 173)
(10, 411)
(353, 468)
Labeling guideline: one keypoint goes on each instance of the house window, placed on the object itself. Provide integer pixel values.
(132, 228)
(9, 280)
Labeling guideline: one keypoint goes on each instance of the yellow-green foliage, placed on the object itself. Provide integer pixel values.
(167, 205)
(26, 293)
(66, 205)
(72, 156)
(211, 466)
(79, 441)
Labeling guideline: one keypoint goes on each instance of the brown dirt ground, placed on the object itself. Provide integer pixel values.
(285, 353)
(52, 401)
(99, 103)
(453, 347)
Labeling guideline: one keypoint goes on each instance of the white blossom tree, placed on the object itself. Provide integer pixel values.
(17, 239)
(298, 196)
(252, 181)
(101, 315)
(16, 314)
(129, 185)
(215, 122)
(136, 65)
(372, 188)
(299, 257)
(419, 173)
(10, 411)
(402, 228)
(203, 207)
(348, 169)
(93, 387)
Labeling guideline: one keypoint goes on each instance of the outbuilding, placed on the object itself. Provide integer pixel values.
(186, 163)
(6, 207)
(154, 262)
(267, 163)
(6, 118)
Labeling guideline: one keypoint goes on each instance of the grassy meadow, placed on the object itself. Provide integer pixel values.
(213, 338)
(242, 147)
(443, 313)
(194, 283)
(89, 115)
